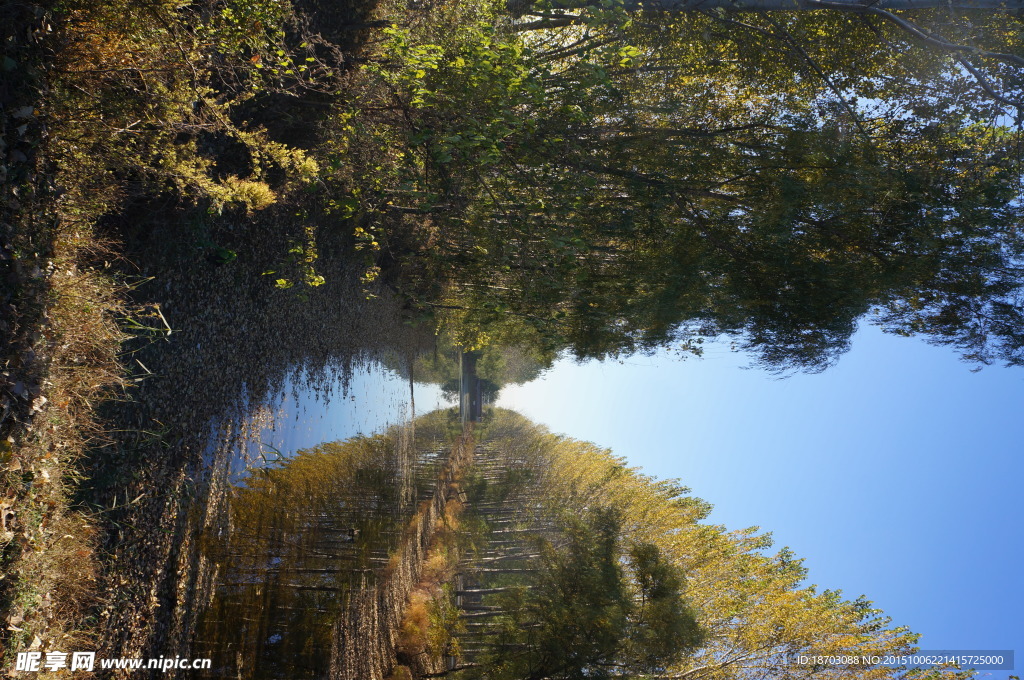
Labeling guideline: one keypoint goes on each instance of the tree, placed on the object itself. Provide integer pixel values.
(611, 200)
(497, 365)
(974, 53)
(581, 615)
(664, 630)
(753, 609)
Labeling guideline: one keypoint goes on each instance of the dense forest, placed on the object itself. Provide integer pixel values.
(546, 557)
(627, 181)
(577, 566)
(202, 200)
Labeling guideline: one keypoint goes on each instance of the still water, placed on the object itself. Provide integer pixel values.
(231, 528)
(299, 416)
(303, 510)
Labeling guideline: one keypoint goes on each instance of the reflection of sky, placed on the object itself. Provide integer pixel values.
(896, 473)
(376, 399)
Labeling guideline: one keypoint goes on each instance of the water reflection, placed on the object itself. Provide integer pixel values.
(299, 536)
(300, 415)
(249, 375)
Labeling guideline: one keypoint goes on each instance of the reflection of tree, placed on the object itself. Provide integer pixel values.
(303, 534)
(583, 568)
(496, 366)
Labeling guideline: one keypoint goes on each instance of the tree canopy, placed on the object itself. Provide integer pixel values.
(496, 365)
(584, 617)
(613, 180)
(620, 551)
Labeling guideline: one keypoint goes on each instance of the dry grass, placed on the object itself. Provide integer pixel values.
(80, 151)
(57, 585)
(49, 546)
(60, 359)
(428, 626)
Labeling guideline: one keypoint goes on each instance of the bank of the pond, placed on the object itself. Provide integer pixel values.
(59, 344)
(85, 134)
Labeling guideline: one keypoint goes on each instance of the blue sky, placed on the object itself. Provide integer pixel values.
(895, 474)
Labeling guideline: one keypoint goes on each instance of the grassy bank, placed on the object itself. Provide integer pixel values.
(59, 317)
(113, 111)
